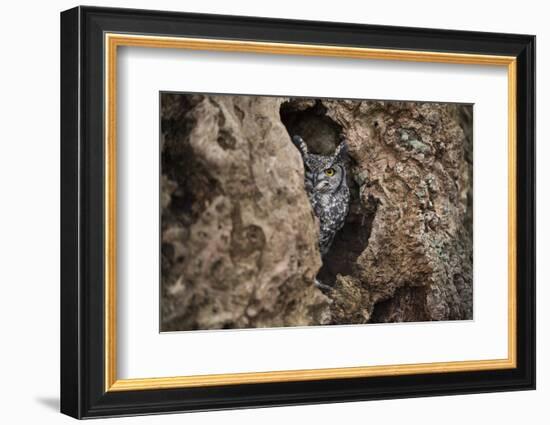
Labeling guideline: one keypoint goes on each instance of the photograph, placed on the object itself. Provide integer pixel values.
(285, 210)
(298, 211)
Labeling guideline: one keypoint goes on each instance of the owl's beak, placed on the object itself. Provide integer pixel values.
(321, 185)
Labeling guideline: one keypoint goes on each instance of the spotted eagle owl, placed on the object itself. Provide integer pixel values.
(327, 189)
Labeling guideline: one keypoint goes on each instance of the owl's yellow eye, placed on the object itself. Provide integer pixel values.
(329, 172)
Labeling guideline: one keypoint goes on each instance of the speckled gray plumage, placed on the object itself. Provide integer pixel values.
(329, 195)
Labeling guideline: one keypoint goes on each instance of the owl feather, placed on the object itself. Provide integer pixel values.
(327, 189)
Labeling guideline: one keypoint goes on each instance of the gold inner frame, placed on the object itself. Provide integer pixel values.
(113, 41)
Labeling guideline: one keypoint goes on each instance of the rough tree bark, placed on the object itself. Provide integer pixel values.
(239, 240)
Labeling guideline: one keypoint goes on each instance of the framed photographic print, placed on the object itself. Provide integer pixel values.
(261, 212)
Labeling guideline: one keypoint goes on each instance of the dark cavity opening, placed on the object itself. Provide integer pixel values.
(308, 118)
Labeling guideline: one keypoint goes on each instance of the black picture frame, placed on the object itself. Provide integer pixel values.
(83, 392)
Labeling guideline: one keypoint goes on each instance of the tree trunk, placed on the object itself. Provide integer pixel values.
(239, 239)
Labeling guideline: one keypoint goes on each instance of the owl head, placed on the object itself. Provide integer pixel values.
(324, 173)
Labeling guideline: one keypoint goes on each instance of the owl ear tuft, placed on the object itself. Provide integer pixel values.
(341, 152)
(300, 144)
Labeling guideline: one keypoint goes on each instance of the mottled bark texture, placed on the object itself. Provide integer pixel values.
(239, 239)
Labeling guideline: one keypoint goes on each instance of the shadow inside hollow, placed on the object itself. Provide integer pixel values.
(49, 402)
